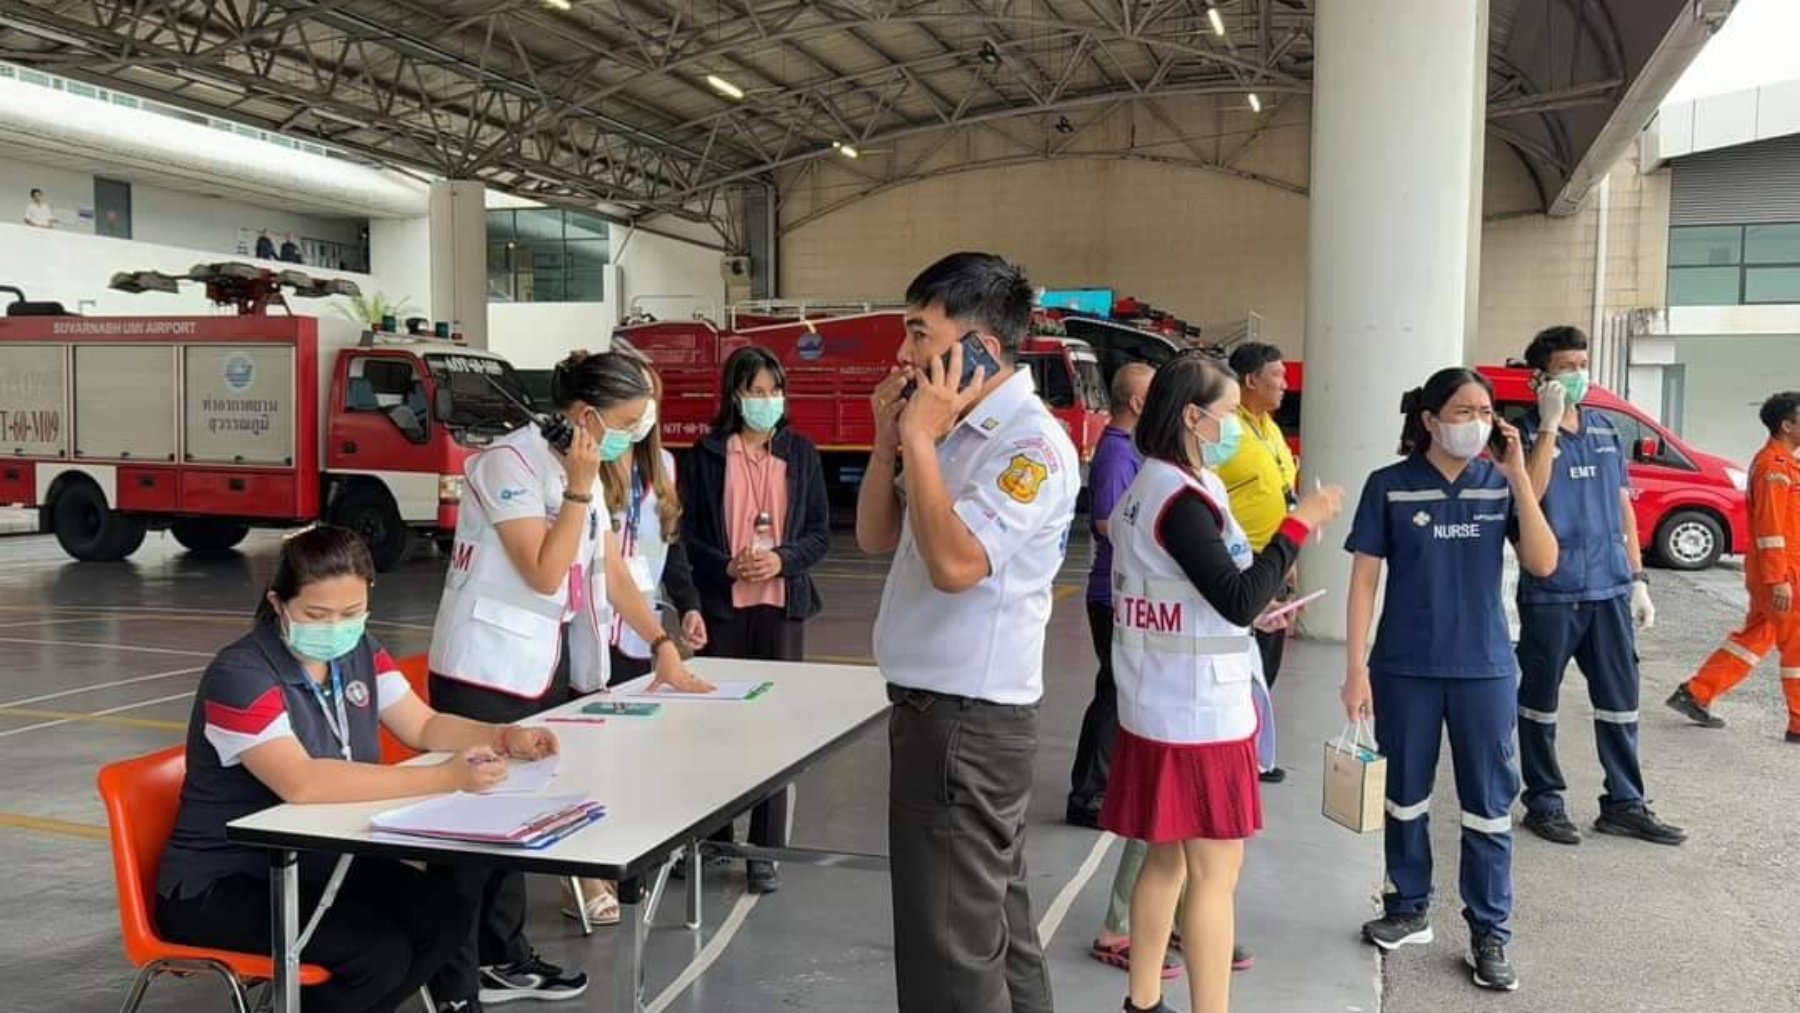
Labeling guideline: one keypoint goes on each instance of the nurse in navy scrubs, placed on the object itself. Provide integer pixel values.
(1439, 520)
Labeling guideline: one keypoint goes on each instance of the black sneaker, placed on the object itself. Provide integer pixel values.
(1487, 955)
(1639, 822)
(1274, 775)
(763, 877)
(1553, 826)
(1089, 818)
(1390, 932)
(1160, 1007)
(1683, 703)
(460, 1006)
(531, 978)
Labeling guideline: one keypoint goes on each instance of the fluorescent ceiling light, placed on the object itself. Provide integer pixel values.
(560, 5)
(848, 151)
(1217, 19)
(725, 88)
(1255, 103)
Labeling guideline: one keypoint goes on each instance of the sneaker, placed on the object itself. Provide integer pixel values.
(1160, 1007)
(763, 877)
(1553, 826)
(460, 1006)
(1682, 702)
(1390, 932)
(1487, 956)
(1793, 736)
(1639, 822)
(531, 978)
(1274, 775)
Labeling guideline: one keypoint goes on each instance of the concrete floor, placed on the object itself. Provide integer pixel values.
(104, 659)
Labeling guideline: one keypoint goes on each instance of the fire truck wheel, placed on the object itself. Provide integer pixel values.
(89, 531)
(370, 512)
(207, 534)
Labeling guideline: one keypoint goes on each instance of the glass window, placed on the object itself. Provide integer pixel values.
(539, 223)
(1772, 244)
(500, 225)
(1703, 286)
(1772, 284)
(547, 255)
(1706, 246)
(500, 273)
(582, 225)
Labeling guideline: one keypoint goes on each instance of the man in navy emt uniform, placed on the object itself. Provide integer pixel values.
(1588, 608)
(1438, 520)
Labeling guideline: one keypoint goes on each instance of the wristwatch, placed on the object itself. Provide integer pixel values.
(1641, 577)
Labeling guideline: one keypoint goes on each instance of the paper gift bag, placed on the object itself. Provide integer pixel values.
(1355, 780)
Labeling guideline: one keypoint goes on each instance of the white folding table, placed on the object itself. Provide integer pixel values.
(666, 781)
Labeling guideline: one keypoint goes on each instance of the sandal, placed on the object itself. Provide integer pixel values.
(1119, 955)
(602, 905)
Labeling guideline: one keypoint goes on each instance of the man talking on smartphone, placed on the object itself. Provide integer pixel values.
(978, 523)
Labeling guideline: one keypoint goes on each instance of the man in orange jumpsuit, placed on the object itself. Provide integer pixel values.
(1772, 572)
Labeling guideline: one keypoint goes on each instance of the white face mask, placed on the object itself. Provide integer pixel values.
(645, 425)
(1464, 440)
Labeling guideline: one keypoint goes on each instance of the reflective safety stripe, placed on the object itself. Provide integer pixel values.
(1617, 717)
(1416, 495)
(1175, 643)
(1772, 542)
(1603, 431)
(1407, 813)
(1486, 824)
(1485, 494)
(1541, 717)
(1740, 652)
(1790, 673)
(1776, 476)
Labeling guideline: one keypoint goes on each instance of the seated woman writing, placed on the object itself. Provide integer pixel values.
(291, 713)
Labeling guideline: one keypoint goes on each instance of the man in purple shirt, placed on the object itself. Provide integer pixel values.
(1116, 463)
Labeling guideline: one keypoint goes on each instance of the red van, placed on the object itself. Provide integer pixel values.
(1690, 504)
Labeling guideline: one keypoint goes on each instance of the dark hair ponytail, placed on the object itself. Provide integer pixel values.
(317, 553)
(1437, 392)
(600, 380)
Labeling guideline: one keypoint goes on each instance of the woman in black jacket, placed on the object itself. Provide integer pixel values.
(755, 522)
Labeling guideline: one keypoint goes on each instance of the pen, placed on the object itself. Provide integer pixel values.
(760, 690)
(575, 721)
(1319, 534)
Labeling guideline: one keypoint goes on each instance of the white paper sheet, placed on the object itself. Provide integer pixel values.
(524, 777)
(639, 689)
(474, 817)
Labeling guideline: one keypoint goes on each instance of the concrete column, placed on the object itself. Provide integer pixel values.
(459, 258)
(1397, 133)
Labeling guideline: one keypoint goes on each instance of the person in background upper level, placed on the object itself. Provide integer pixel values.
(38, 212)
(1261, 479)
(755, 524)
(292, 712)
(1587, 611)
(1115, 464)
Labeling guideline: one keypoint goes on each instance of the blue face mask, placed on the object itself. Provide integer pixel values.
(763, 413)
(614, 443)
(323, 642)
(1231, 433)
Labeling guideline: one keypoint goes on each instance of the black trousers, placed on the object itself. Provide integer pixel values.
(759, 633)
(959, 784)
(1272, 646)
(1100, 725)
(390, 930)
(498, 934)
(626, 668)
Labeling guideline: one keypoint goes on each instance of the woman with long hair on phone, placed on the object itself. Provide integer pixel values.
(1438, 520)
(1187, 592)
(755, 522)
(527, 607)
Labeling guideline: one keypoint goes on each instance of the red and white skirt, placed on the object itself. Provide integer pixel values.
(1163, 792)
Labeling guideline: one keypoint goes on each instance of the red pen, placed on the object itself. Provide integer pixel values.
(575, 721)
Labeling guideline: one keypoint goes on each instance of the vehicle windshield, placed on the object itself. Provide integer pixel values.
(1054, 384)
(478, 412)
(1091, 385)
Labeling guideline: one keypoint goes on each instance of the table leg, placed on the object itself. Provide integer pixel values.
(284, 897)
(695, 870)
(628, 953)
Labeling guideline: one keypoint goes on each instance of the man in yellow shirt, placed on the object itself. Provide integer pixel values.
(1260, 477)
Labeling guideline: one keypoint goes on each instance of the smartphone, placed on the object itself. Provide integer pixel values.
(975, 356)
(1497, 443)
(621, 709)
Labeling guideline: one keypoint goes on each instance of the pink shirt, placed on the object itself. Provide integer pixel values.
(754, 484)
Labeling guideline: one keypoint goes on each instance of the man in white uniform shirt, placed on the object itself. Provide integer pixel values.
(978, 524)
(39, 213)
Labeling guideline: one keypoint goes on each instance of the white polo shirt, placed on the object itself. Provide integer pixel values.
(1013, 476)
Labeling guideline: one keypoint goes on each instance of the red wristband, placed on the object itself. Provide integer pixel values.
(1295, 529)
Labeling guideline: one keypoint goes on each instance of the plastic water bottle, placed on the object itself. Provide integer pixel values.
(764, 538)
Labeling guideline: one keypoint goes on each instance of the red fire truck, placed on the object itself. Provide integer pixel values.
(208, 426)
(834, 355)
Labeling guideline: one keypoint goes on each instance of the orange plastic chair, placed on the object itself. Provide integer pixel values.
(142, 796)
(418, 676)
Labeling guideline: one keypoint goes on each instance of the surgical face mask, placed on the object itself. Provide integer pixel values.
(1231, 433)
(324, 642)
(1575, 382)
(646, 425)
(614, 443)
(763, 413)
(1464, 440)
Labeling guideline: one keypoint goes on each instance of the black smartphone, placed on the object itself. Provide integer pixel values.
(1497, 443)
(975, 356)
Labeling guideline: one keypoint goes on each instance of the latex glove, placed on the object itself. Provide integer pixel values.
(1643, 613)
(1553, 401)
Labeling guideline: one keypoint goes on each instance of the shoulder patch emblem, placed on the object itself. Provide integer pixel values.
(1023, 477)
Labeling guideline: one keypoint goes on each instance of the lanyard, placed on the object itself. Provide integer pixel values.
(340, 724)
(635, 512)
(1287, 491)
